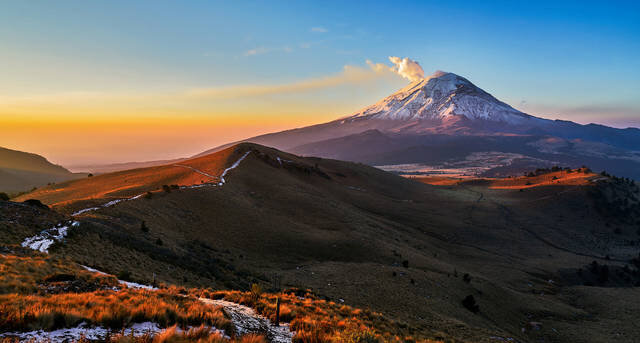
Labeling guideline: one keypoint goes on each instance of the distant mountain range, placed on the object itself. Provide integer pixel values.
(444, 119)
(21, 171)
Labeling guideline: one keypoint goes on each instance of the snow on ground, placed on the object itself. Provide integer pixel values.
(46, 238)
(122, 282)
(109, 204)
(246, 320)
(233, 166)
(82, 330)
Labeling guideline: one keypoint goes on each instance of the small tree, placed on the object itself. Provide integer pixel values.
(143, 227)
(469, 302)
(466, 278)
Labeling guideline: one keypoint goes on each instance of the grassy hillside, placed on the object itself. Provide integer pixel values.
(40, 292)
(463, 261)
(21, 171)
(95, 190)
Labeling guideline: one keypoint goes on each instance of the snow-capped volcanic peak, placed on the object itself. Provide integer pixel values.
(441, 96)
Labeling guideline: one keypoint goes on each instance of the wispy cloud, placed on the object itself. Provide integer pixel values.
(319, 29)
(349, 75)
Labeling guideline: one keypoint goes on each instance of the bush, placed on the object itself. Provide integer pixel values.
(469, 302)
(166, 188)
(256, 291)
(405, 263)
(159, 241)
(356, 336)
(466, 278)
(35, 203)
(143, 227)
(148, 195)
(124, 275)
(4, 196)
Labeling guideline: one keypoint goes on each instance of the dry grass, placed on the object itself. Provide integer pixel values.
(29, 300)
(129, 183)
(32, 274)
(317, 320)
(575, 177)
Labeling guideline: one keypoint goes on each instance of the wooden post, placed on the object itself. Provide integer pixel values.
(278, 311)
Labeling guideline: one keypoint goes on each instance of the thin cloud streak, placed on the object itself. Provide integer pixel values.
(349, 75)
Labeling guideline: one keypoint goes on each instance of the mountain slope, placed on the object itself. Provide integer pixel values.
(443, 96)
(21, 171)
(345, 230)
(418, 117)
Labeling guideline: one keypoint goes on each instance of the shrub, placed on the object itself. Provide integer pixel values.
(466, 278)
(469, 302)
(35, 203)
(148, 195)
(166, 188)
(357, 336)
(405, 263)
(4, 196)
(90, 175)
(124, 275)
(256, 291)
(159, 241)
(143, 227)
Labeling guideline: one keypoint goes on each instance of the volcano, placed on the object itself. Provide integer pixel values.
(445, 120)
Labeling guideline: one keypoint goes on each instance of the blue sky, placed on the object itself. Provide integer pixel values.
(559, 59)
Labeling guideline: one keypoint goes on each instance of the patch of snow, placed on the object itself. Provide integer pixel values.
(137, 285)
(233, 166)
(46, 238)
(440, 96)
(122, 282)
(108, 204)
(82, 330)
(246, 320)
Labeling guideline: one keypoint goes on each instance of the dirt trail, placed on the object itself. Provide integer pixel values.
(196, 170)
(247, 320)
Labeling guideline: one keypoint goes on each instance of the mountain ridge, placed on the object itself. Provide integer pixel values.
(21, 171)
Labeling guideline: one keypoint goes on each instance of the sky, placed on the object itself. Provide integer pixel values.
(86, 82)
